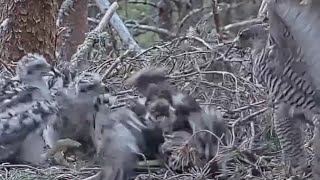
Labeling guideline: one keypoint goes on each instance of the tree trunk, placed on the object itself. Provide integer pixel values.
(30, 28)
(77, 25)
(165, 10)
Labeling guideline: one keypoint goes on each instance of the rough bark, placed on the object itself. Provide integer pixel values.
(31, 28)
(77, 25)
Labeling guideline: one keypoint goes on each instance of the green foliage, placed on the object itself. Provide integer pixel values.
(272, 139)
(132, 11)
(145, 40)
(137, 12)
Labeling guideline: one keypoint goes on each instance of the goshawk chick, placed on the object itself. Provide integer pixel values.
(26, 106)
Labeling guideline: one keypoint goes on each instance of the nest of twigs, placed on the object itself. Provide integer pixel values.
(217, 74)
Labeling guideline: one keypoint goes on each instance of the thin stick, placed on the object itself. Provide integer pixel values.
(85, 47)
(106, 18)
(114, 64)
(120, 27)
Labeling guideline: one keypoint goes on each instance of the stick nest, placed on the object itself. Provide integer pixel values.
(217, 74)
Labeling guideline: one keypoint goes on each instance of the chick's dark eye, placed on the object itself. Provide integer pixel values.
(83, 90)
(38, 66)
(244, 36)
(29, 72)
(106, 89)
(90, 87)
(106, 101)
(87, 88)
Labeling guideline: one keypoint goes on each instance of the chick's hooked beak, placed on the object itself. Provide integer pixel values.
(47, 74)
(105, 88)
(56, 73)
(48, 70)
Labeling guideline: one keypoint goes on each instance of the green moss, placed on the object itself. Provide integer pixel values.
(147, 39)
(136, 12)
(132, 11)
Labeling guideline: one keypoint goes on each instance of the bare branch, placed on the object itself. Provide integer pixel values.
(106, 18)
(84, 48)
(119, 26)
(263, 8)
(64, 10)
(114, 64)
(153, 29)
(186, 17)
(242, 23)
